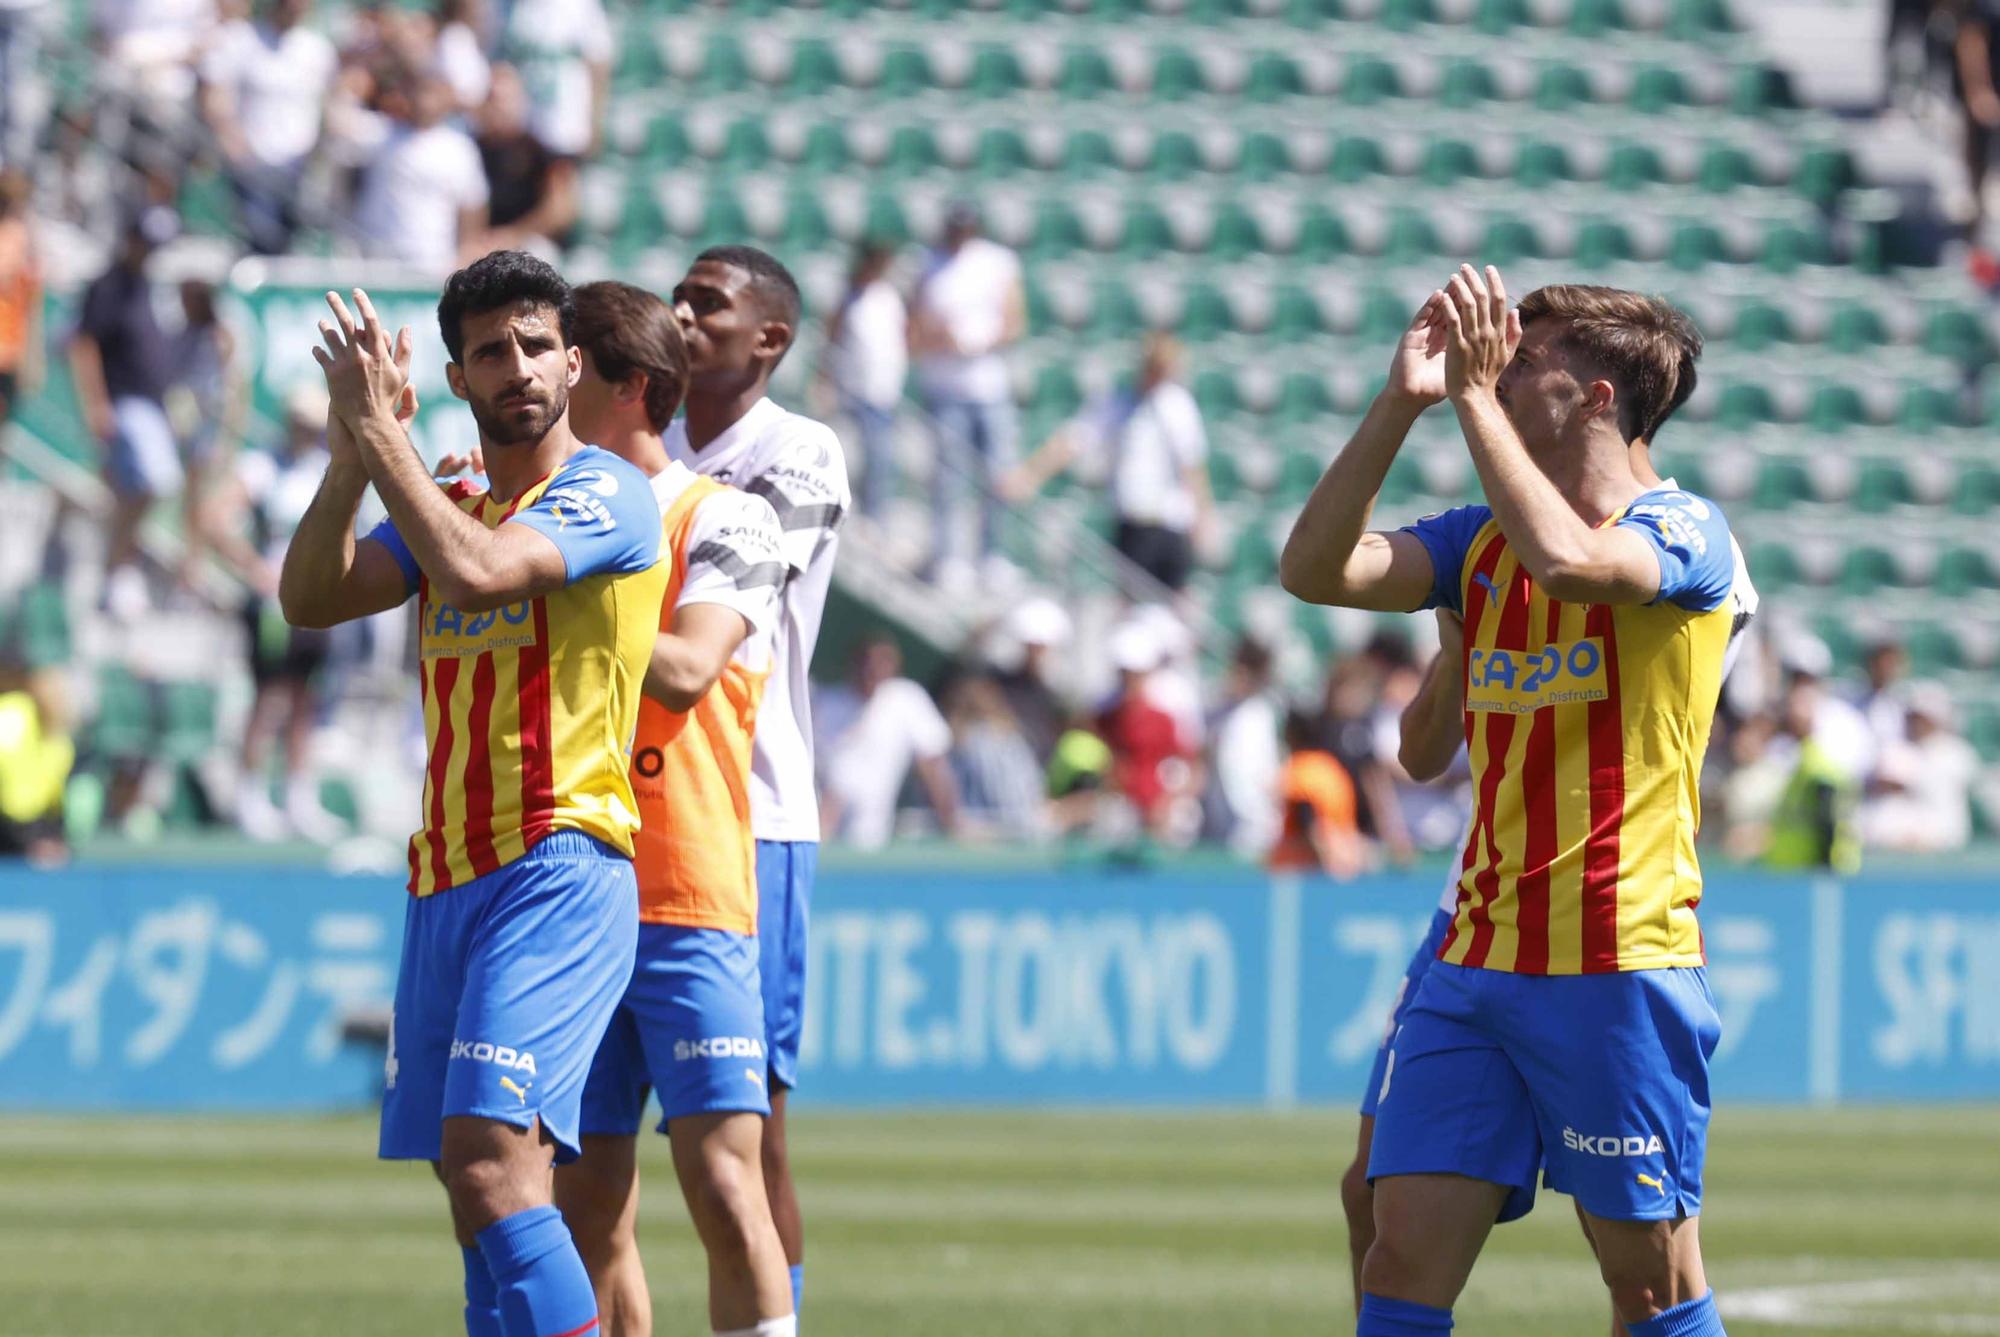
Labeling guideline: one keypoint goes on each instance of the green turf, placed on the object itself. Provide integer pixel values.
(987, 1224)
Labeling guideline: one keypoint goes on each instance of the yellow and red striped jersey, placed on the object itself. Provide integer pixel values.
(691, 771)
(529, 709)
(1586, 725)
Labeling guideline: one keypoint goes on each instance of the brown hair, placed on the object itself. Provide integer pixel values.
(631, 332)
(1645, 346)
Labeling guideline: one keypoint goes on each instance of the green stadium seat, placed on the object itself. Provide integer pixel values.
(1927, 407)
(885, 220)
(1205, 315)
(1035, 302)
(1758, 90)
(1403, 15)
(188, 731)
(1225, 474)
(1781, 482)
(1774, 567)
(1864, 570)
(1498, 17)
(666, 144)
(1323, 235)
(1088, 153)
(1600, 243)
(1881, 485)
(1114, 312)
(724, 67)
(1177, 75)
(1959, 334)
(1823, 173)
(1561, 87)
(1001, 151)
(1962, 572)
(996, 73)
(825, 151)
(1272, 78)
(1302, 397)
(744, 147)
(1175, 156)
(1657, 89)
(1466, 84)
(1633, 166)
(638, 65)
(1412, 237)
(1254, 555)
(1933, 649)
(913, 151)
(1295, 316)
(1236, 234)
(1595, 18)
(1855, 328)
(1696, 245)
(723, 218)
(815, 70)
(1263, 156)
(642, 224)
(1356, 158)
(1743, 405)
(1147, 232)
(1299, 472)
(1760, 325)
(1369, 80)
(906, 72)
(1216, 395)
(123, 728)
(1085, 74)
(805, 227)
(1508, 239)
(1724, 168)
(1977, 491)
(1057, 391)
(1835, 408)
(1449, 161)
(1384, 317)
(1541, 164)
(1790, 245)
(1692, 20)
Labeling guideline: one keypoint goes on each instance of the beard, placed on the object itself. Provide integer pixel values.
(509, 427)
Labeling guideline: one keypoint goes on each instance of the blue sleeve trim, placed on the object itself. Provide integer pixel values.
(600, 513)
(1690, 537)
(386, 534)
(1447, 537)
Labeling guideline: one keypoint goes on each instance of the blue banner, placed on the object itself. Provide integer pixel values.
(236, 988)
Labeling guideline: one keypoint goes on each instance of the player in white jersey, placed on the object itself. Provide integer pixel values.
(739, 311)
(1432, 730)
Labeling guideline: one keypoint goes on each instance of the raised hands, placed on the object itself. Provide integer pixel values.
(1482, 331)
(366, 372)
(1416, 373)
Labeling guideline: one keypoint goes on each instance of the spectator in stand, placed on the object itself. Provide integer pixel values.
(20, 297)
(123, 366)
(866, 361)
(1152, 761)
(423, 193)
(35, 759)
(1349, 731)
(264, 90)
(1760, 762)
(1840, 729)
(1079, 773)
(871, 736)
(1318, 831)
(459, 51)
(562, 49)
(1920, 801)
(1154, 448)
(151, 46)
(1247, 759)
(533, 192)
(1000, 784)
(1881, 700)
(970, 305)
(1975, 67)
(24, 89)
(249, 523)
(1041, 629)
(208, 404)
(1813, 822)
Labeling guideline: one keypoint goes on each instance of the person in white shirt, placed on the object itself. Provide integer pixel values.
(873, 735)
(459, 53)
(739, 310)
(1248, 758)
(24, 86)
(1155, 450)
(1921, 798)
(423, 194)
(970, 305)
(563, 50)
(264, 88)
(867, 359)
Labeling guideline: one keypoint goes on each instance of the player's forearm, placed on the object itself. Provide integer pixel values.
(1550, 540)
(457, 554)
(681, 672)
(321, 553)
(1433, 724)
(1323, 541)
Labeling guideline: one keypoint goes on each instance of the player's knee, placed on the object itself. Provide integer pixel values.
(1638, 1275)
(773, 1155)
(1357, 1200)
(480, 1189)
(731, 1201)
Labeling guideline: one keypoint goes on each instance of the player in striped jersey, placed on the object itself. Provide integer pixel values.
(1432, 731)
(691, 1026)
(1567, 1020)
(537, 606)
(739, 309)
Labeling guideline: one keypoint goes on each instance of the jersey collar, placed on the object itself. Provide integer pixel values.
(724, 456)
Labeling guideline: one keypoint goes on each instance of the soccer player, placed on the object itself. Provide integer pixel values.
(739, 310)
(1567, 1021)
(538, 602)
(691, 1026)
(1432, 729)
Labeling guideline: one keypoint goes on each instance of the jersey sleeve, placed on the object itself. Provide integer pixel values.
(601, 514)
(1447, 537)
(806, 486)
(385, 533)
(735, 558)
(1691, 540)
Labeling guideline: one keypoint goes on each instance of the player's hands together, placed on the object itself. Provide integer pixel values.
(367, 373)
(1416, 372)
(473, 461)
(1482, 332)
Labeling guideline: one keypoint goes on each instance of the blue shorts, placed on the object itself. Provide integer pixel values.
(506, 986)
(1601, 1080)
(1420, 961)
(785, 871)
(691, 1025)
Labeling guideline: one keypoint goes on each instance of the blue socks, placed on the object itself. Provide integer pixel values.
(798, 1285)
(1696, 1318)
(1383, 1317)
(543, 1288)
(482, 1300)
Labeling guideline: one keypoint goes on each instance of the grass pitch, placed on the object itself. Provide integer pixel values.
(988, 1224)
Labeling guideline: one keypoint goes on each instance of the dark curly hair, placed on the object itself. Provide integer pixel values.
(499, 279)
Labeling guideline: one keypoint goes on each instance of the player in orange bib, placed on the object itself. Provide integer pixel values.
(691, 1025)
(1567, 1024)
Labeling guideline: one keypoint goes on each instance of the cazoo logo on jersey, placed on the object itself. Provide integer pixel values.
(450, 634)
(500, 1056)
(1521, 682)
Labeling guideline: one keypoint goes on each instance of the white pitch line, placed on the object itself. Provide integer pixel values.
(1829, 1304)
